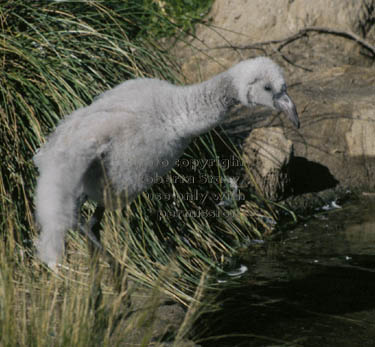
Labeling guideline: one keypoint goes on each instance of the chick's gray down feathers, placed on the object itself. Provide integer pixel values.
(113, 149)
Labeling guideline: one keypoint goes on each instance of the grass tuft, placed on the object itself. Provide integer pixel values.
(56, 57)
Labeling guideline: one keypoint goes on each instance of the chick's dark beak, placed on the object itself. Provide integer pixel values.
(284, 103)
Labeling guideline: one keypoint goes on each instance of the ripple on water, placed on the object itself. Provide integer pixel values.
(314, 287)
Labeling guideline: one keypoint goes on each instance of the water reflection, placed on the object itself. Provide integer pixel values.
(314, 286)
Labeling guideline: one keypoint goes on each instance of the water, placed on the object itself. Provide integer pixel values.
(311, 286)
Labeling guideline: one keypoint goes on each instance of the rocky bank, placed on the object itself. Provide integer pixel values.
(331, 78)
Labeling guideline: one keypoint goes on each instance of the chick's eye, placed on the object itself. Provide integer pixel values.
(267, 88)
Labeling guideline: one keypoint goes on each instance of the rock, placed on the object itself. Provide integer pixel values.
(262, 20)
(239, 23)
(337, 111)
(332, 85)
(153, 318)
(267, 153)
